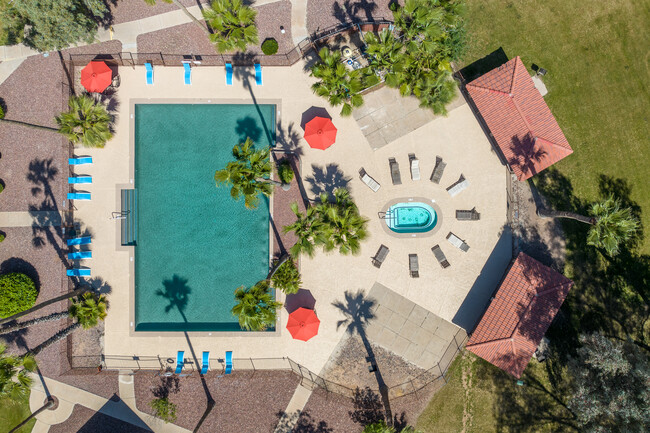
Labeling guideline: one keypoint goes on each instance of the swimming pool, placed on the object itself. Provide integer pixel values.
(411, 217)
(195, 244)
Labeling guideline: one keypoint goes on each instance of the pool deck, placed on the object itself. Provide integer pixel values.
(458, 138)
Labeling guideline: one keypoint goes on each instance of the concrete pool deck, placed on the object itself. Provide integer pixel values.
(458, 138)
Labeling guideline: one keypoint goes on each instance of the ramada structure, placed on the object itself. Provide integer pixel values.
(518, 118)
(521, 311)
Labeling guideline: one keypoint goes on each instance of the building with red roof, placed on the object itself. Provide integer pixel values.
(521, 311)
(519, 119)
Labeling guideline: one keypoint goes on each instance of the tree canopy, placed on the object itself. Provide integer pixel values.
(87, 122)
(234, 25)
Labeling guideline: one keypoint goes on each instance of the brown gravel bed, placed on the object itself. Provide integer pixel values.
(105, 384)
(189, 39)
(130, 10)
(84, 420)
(324, 14)
(246, 401)
(282, 213)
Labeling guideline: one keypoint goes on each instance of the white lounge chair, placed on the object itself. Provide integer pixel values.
(372, 183)
(457, 242)
(457, 187)
(415, 167)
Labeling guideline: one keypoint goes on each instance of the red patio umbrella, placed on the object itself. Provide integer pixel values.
(303, 324)
(320, 133)
(96, 76)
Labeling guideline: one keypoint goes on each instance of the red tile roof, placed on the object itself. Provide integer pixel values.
(519, 315)
(519, 119)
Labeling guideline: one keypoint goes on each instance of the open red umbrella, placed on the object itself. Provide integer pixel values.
(96, 76)
(320, 133)
(303, 324)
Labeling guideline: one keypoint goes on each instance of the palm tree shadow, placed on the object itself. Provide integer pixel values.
(327, 179)
(526, 154)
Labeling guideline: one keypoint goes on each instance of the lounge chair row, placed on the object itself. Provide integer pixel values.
(187, 73)
(79, 255)
(76, 180)
(205, 362)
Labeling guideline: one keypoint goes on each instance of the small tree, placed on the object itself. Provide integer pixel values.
(612, 385)
(287, 277)
(234, 25)
(255, 308)
(17, 293)
(87, 121)
(164, 409)
(14, 378)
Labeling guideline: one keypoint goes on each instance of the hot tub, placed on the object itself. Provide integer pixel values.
(411, 217)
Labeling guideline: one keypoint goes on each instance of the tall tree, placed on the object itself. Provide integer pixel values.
(14, 377)
(77, 292)
(385, 56)
(335, 83)
(87, 121)
(612, 385)
(611, 224)
(255, 308)
(233, 23)
(185, 11)
(18, 122)
(308, 228)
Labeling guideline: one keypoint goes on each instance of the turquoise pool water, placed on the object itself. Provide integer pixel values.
(411, 217)
(195, 244)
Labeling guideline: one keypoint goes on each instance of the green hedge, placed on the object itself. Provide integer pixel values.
(270, 46)
(17, 293)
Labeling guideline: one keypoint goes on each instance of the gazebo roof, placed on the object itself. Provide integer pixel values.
(523, 308)
(519, 119)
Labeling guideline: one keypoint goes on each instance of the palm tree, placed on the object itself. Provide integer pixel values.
(385, 56)
(309, 230)
(234, 25)
(185, 11)
(87, 311)
(611, 224)
(255, 308)
(344, 226)
(87, 122)
(249, 174)
(337, 84)
(14, 378)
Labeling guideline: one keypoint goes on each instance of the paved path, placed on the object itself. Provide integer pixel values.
(30, 219)
(292, 413)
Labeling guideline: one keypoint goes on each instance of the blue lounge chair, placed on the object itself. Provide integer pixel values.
(84, 240)
(78, 272)
(78, 196)
(179, 361)
(258, 74)
(228, 363)
(188, 73)
(229, 74)
(80, 160)
(205, 362)
(80, 179)
(78, 255)
(149, 69)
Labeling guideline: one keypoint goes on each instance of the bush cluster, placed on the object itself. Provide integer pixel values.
(17, 293)
(270, 46)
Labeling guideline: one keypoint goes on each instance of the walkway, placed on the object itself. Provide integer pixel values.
(292, 413)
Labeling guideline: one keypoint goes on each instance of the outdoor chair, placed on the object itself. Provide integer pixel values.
(415, 167)
(179, 361)
(80, 160)
(80, 179)
(229, 74)
(436, 175)
(187, 73)
(149, 70)
(84, 240)
(78, 196)
(457, 242)
(394, 171)
(205, 362)
(468, 215)
(258, 74)
(228, 369)
(78, 272)
(365, 178)
(414, 267)
(78, 255)
(458, 187)
(380, 256)
(440, 256)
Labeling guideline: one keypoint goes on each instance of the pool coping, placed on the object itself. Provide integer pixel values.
(131, 248)
(429, 201)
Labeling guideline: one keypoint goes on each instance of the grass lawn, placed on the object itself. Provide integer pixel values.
(596, 53)
(13, 412)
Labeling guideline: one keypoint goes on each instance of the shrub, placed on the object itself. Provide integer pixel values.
(270, 46)
(287, 278)
(285, 172)
(164, 409)
(17, 293)
(2, 237)
(2, 187)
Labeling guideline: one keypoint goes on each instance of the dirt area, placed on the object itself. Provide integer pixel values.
(84, 420)
(325, 14)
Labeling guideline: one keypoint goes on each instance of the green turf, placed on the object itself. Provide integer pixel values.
(13, 412)
(596, 53)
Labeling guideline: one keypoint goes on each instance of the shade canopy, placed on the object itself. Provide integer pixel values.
(303, 324)
(96, 76)
(320, 133)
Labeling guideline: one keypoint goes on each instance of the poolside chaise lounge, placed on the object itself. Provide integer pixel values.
(84, 240)
(414, 266)
(78, 272)
(468, 215)
(258, 74)
(179, 361)
(228, 369)
(205, 362)
(229, 74)
(78, 196)
(436, 175)
(80, 160)
(440, 256)
(457, 242)
(415, 167)
(457, 187)
(187, 73)
(380, 256)
(394, 171)
(365, 178)
(149, 70)
(78, 255)
(80, 179)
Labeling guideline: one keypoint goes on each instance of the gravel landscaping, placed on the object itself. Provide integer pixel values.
(124, 11)
(325, 14)
(84, 420)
